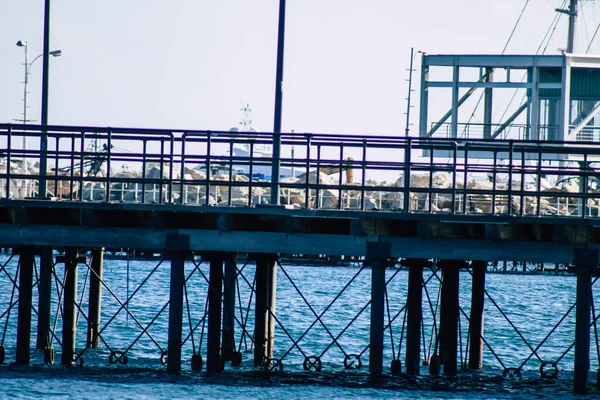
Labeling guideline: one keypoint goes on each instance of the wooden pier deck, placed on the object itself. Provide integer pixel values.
(275, 229)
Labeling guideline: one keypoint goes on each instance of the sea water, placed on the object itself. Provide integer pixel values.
(320, 312)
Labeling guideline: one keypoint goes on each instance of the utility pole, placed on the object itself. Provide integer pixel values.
(572, 16)
(572, 13)
(275, 170)
(44, 138)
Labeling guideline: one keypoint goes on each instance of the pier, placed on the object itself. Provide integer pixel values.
(159, 192)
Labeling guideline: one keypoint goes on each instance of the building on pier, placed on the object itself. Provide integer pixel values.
(556, 98)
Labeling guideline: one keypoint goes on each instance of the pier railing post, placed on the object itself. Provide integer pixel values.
(378, 255)
(95, 299)
(476, 318)
(585, 260)
(414, 314)
(26, 260)
(449, 314)
(177, 247)
(44, 299)
(229, 287)
(266, 290)
(214, 361)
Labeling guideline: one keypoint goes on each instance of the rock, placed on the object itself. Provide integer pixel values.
(312, 178)
(192, 174)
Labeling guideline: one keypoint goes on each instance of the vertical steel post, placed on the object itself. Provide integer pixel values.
(275, 167)
(175, 312)
(449, 315)
(377, 256)
(442, 315)
(213, 338)
(271, 303)
(95, 299)
(534, 107)
(262, 274)
(177, 248)
(414, 315)
(572, 18)
(424, 97)
(264, 326)
(487, 104)
(69, 309)
(44, 299)
(585, 260)
(44, 120)
(582, 328)
(377, 318)
(229, 287)
(455, 104)
(25, 299)
(476, 319)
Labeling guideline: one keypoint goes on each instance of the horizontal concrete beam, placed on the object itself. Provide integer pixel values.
(288, 243)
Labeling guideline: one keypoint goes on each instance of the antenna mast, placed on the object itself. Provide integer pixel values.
(247, 121)
(412, 57)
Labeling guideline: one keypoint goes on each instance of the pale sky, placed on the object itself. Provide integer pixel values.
(192, 64)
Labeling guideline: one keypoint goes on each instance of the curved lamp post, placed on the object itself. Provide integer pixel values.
(53, 53)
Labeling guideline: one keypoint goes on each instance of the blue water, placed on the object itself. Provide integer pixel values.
(533, 304)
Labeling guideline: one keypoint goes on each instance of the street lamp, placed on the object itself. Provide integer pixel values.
(53, 53)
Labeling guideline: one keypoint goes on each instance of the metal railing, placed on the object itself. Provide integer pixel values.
(514, 131)
(343, 172)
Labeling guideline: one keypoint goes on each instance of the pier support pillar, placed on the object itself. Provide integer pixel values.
(264, 326)
(44, 299)
(378, 255)
(449, 313)
(229, 287)
(214, 362)
(95, 299)
(177, 247)
(69, 333)
(414, 314)
(26, 260)
(476, 318)
(585, 261)
(175, 312)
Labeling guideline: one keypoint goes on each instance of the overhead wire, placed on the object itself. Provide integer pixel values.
(503, 50)
(547, 37)
(515, 27)
(582, 17)
(551, 30)
(594, 35)
(534, 27)
(545, 42)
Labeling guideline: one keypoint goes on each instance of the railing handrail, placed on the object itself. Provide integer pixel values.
(174, 166)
